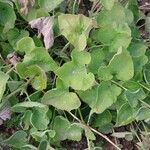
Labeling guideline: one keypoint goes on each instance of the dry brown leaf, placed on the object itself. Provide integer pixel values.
(26, 5)
(44, 25)
(13, 59)
(5, 113)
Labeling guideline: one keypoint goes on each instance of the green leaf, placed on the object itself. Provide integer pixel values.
(61, 126)
(101, 96)
(39, 118)
(4, 78)
(102, 119)
(41, 135)
(25, 120)
(120, 66)
(8, 17)
(21, 107)
(121, 40)
(22, 45)
(49, 5)
(74, 132)
(89, 134)
(133, 6)
(74, 73)
(75, 76)
(17, 140)
(104, 35)
(134, 97)
(147, 75)
(129, 16)
(108, 4)
(14, 85)
(137, 49)
(107, 129)
(132, 86)
(6, 49)
(38, 76)
(143, 114)
(81, 57)
(65, 130)
(61, 99)
(43, 145)
(97, 59)
(39, 56)
(125, 115)
(139, 62)
(76, 29)
(14, 35)
(115, 16)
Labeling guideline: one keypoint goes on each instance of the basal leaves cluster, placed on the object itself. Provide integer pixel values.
(96, 65)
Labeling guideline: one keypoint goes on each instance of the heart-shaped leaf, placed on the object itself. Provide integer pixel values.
(14, 35)
(61, 99)
(49, 5)
(101, 96)
(125, 115)
(75, 75)
(17, 140)
(38, 76)
(108, 4)
(143, 114)
(41, 135)
(134, 97)
(124, 70)
(103, 119)
(8, 17)
(39, 56)
(39, 118)
(97, 59)
(76, 29)
(115, 16)
(22, 45)
(65, 130)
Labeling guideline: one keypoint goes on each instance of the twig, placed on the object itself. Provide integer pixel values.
(95, 131)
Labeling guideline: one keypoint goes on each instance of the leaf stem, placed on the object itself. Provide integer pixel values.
(146, 88)
(119, 85)
(95, 131)
(80, 114)
(146, 104)
(16, 91)
(88, 143)
(90, 114)
(74, 6)
(65, 47)
(10, 70)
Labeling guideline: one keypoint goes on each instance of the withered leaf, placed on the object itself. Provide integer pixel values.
(26, 5)
(13, 59)
(44, 25)
(5, 113)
